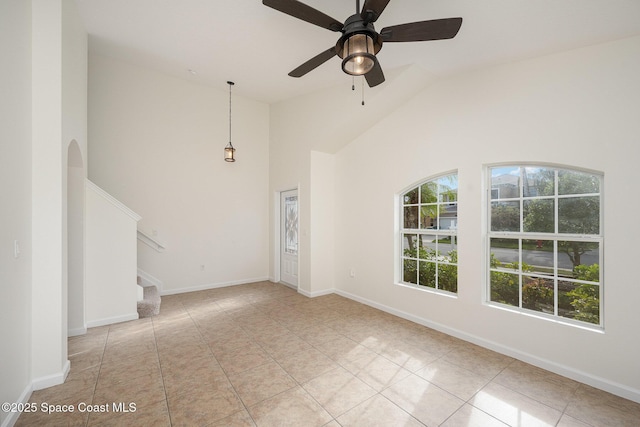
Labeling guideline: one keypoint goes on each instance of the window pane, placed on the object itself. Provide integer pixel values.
(449, 217)
(505, 182)
(504, 288)
(428, 274)
(410, 197)
(572, 182)
(428, 216)
(410, 271)
(448, 186)
(448, 277)
(537, 294)
(579, 260)
(428, 246)
(579, 215)
(429, 192)
(410, 217)
(537, 256)
(505, 216)
(448, 247)
(579, 301)
(410, 245)
(504, 253)
(538, 216)
(538, 182)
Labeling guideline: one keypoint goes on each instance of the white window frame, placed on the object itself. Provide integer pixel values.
(555, 237)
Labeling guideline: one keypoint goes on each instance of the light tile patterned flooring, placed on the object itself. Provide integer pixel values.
(263, 355)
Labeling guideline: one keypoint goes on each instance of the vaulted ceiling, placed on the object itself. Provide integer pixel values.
(256, 46)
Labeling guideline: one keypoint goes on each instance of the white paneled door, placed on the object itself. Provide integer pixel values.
(289, 237)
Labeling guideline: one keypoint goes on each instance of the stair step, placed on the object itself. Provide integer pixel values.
(150, 304)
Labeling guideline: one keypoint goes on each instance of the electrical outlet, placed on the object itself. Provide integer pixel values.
(352, 273)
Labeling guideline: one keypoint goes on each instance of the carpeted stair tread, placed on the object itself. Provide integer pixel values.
(150, 304)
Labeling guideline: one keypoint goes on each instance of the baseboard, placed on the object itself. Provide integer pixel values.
(580, 376)
(300, 291)
(316, 293)
(213, 286)
(51, 380)
(112, 320)
(12, 418)
(77, 331)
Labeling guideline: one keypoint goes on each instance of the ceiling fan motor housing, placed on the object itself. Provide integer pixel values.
(356, 25)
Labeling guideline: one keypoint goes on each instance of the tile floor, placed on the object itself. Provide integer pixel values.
(263, 355)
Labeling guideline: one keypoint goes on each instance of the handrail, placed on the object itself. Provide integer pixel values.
(115, 202)
(151, 241)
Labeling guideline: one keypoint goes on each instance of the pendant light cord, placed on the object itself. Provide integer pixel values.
(230, 84)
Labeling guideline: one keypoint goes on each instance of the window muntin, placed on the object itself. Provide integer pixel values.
(429, 234)
(545, 242)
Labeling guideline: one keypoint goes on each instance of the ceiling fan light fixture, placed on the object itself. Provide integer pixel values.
(359, 54)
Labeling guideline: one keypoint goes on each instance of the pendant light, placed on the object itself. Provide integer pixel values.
(229, 150)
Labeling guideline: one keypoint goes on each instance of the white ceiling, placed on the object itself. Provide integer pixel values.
(256, 46)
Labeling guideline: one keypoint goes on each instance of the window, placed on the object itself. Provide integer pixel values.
(545, 242)
(429, 234)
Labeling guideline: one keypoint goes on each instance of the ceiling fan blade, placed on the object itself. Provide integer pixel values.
(304, 12)
(372, 10)
(437, 29)
(314, 62)
(375, 76)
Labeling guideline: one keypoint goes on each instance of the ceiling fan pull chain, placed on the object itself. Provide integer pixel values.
(362, 90)
(353, 82)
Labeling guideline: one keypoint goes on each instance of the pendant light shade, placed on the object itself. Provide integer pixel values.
(229, 151)
(359, 54)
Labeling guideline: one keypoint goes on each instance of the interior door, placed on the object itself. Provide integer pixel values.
(289, 237)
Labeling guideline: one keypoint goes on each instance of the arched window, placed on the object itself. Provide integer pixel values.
(545, 241)
(429, 234)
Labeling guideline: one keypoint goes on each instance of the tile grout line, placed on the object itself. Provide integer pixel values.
(164, 386)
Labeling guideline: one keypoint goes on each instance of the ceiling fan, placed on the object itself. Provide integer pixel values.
(360, 42)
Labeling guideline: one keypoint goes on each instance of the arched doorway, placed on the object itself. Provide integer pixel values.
(76, 324)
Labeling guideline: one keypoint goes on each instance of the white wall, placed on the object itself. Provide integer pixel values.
(15, 208)
(34, 37)
(48, 343)
(578, 108)
(156, 144)
(58, 117)
(322, 222)
(111, 267)
(76, 176)
(74, 155)
(323, 123)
